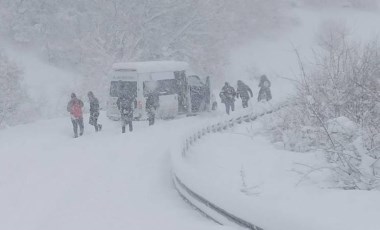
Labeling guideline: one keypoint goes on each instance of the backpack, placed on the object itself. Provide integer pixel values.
(222, 96)
(76, 109)
(125, 105)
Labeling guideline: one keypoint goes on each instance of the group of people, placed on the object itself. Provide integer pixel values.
(75, 107)
(126, 103)
(243, 91)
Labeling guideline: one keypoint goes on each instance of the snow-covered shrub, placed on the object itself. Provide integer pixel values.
(336, 106)
(12, 95)
(286, 127)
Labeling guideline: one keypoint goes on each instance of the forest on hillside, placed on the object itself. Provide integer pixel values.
(87, 36)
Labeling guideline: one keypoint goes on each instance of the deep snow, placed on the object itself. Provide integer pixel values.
(242, 172)
(106, 180)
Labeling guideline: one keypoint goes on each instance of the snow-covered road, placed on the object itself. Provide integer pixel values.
(107, 180)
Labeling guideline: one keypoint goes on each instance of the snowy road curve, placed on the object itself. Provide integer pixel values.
(105, 181)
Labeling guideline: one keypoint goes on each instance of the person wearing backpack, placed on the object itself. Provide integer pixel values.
(151, 105)
(227, 96)
(244, 92)
(94, 111)
(264, 93)
(126, 104)
(74, 107)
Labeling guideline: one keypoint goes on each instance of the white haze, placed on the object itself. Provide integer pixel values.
(114, 181)
(47, 86)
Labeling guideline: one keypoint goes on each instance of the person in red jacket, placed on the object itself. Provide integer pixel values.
(75, 106)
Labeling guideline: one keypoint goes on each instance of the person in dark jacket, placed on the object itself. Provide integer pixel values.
(264, 93)
(242, 92)
(125, 104)
(75, 106)
(227, 95)
(94, 111)
(151, 105)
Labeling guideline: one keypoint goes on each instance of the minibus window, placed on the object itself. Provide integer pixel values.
(118, 87)
(162, 87)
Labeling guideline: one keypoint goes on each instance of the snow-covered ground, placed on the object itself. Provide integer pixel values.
(106, 180)
(242, 172)
(269, 187)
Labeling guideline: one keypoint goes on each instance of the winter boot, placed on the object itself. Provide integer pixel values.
(123, 129)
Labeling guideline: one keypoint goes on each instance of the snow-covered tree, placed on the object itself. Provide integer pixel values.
(337, 105)
(89, 35)
(12, 94)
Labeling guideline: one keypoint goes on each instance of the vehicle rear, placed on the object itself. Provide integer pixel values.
(139, 79)
(164, 85)
(200, 93)
(122, 82)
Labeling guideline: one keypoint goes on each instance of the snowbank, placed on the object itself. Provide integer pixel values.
(240, 171)
(341, 125)
(215, 211)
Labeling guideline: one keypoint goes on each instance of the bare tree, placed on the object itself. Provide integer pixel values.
(337, 105)
(89, 35)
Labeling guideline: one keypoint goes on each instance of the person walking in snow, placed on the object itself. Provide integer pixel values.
(126, 104)
(227, 96)
(264, 93)
(94, 111)
(242, 92)
(75, 106)
(151, 105)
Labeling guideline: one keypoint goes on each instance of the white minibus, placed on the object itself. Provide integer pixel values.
(166, 78)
